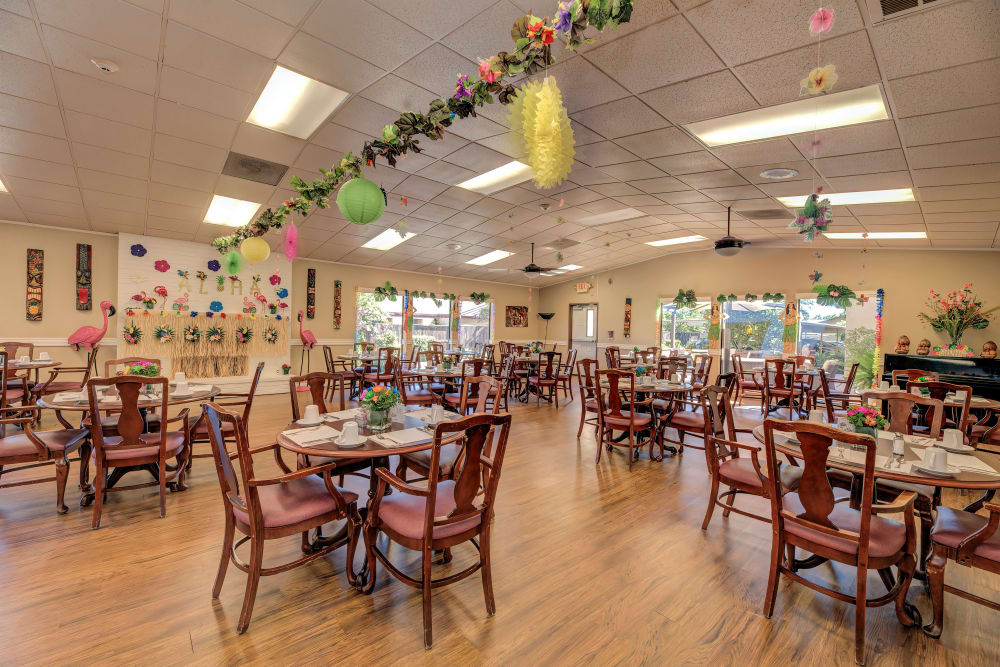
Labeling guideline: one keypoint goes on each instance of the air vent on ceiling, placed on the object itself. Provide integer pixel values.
(886, 9)
(561, 244)
(254, 169)
(766, 214)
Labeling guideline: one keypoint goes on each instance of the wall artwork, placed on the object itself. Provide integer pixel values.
(311, 294)
(627, 329)
(84, 257)
(517, 316)
(33, 305)
(790, 334)
(715, 326)
(337, 287)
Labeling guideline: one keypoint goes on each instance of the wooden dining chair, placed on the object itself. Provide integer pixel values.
(132, 448)
(444, 513)
(316, 384)
(412, 388)
(13, 351)
(961, 418)
(546, 376)
(733, 463)
(55, 385)
(780, 385)
(616, 415)
(113, 367)
(801, 359)
(832, 398)
(341, 369)
(506, 380)
(701, 370)
(565, 374)
(469, 368)
(970, 540)
(613, 356)
(489, 355)
(381, 371)
(668, 366)
(14, 389)
(911, 375)
(585, 369)
(229, 399)
(809, 519)
(747, 381)
(270, 508)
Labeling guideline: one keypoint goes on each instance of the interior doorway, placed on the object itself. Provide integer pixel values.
(583, 329)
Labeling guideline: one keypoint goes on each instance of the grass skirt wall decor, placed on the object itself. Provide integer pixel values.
(84, 257)
(33, 298)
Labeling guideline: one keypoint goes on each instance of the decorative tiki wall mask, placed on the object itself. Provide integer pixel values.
(311, 293)
(33, 299)
(84, 257)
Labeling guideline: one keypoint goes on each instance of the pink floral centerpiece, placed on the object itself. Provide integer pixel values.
(955, 313)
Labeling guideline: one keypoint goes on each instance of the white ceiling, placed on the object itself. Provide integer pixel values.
(141, 150)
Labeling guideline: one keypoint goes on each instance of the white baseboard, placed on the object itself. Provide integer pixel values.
(61, 342)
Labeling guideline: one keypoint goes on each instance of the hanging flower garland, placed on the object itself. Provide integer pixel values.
(132, 333)
(192, 334)
(532, 37)
(773, 298)
(164, 334)
(387, 291)
(722, 298)
(479, 298)
(685, 299)
(750, 298)
(877, 360)
(270, 335)
(815, 216)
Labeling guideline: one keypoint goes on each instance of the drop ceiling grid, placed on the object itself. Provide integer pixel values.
(492, 232)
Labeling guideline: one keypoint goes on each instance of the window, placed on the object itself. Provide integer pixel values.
(431, 322)
(684, 328)
(379, 322)
(839, 337)
(753, 329)
(591, 313)
(474, 324)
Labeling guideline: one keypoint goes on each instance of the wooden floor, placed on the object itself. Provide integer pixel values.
(591, 564)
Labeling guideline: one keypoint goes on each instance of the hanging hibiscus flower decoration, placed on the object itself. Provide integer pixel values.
(138, 250)
(162, 265)
(213, 265)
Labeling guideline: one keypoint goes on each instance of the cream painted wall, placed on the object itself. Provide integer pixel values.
(906, 276)
(502, 295)
(60, 317)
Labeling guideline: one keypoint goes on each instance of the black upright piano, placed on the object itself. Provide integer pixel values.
(983, 375)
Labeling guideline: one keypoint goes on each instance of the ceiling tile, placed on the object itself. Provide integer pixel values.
(687, 163)
(515, 195)
(22, 114)
(420, 187)
(579, 196)
(23, 187)
(189, 123)
(957, 87)
(477, 158)
(176, 195)
(661, 184)
(434, 213)
(100, 98)
(464, 219)
(980, 173)
(771, 151)
(681, 197)
(366, 31)
(709, 96)
(951, 126)
(17, 165)
(666, 141)
(177, 212)
(340, 138)
(197, 52)
(109, 21)
(444, 172)
(32, 145)
(396, 93)
(363, 115)
(289, 11)
(432, 17)
(584, 85)
(18, 35)
(862, 163)
(731, 193)
(200, 93)
(713, 179)
(26, 78)
(955, 153)
(951, 34)
(632, 170)
(94, 198)
(105, 182)
(621, 117)
(775, 26)
(486, 33)
(235, 23)
(600, 154)
(188, 153)
(185, 177)
(976, 191)
(614, 190)
(581, 174)
(267, 144)
(51, 206)
(753, 174)
(862, 138)
(889, 180)
(239, 188)
(960, 205)
(74, 53)
(324, 62)
(435, 69)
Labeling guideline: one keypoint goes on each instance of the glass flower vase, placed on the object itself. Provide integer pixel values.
(378, 420)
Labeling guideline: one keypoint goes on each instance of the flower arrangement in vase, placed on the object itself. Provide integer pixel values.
(285, 368)
(955, 313)
(866, 420)
(144, 368)
(377, 402)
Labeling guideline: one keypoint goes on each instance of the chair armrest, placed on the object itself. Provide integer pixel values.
(903, 502)
(230, 395)
(968, 546)
(16, 410)
(291, 476)
(753, 452)
(399, 484)
(184, 415)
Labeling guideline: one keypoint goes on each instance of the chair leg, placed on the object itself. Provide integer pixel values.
(370, 535)
(84, 451)
(773, 575)
(711, 502)
(62, 474)
(583, 418)
(163, 488)
(253, 578)
(426, 581)
(908, 615)
(600, 442)
(935, 566)
(730, 499)
(353, 533)
(860, 607)
(487, 572)
(227, 547)
(98, 496)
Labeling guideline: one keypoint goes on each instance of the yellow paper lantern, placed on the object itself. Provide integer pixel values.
(255, 249)
(541, 128)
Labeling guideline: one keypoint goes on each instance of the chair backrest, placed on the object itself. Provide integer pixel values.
(800, 359)
(718, 413)
(655, 351)
(385, 355)
(130, 422)
(13, 349)
(504, 347)
(728, 382)
(779, 373)
(427, 358)
(701, 369)
(849, 378)
(911, 374)
(317, 383)
(738, 365)
(815, 492)
(824, 386)
(940, 390)
(112, 366)
(364, 347)
(436, 346)
(403, 382)
(901, 404)
(609, 399)
(489, 355)
(585, 377)
(328, 358)
(478, 477)
(229, 483)
(475, 391)
(567, 367)
(613, 356)
(507, 368)
(471, 368)
(548, 364)
(252, 392)
(669, 365)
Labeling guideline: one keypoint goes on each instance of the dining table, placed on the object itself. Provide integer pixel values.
(375, 446)
(34, 365)
(664, 389)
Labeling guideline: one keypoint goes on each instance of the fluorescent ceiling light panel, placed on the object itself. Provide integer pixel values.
(849, 198)
(679, 239)
(390, 238)
(570, 267)
(611, 216)
(498, 179)
(295, 104)
(490, 257)
(875, 235)
(3, 188)
(232, 212)
(861, 105)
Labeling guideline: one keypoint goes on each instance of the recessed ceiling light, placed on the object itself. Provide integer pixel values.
(875, 235)
(498, 179)
(390, 238)
(294, 104)
(490, 257)
(105, 66)
(679, 239)
(779, 173)
(3, 188)
(453, 246)
(849, 198)
(850, 107)
(228, 211)
(611, 216)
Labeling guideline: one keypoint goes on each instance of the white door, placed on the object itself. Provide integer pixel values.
(584, 331)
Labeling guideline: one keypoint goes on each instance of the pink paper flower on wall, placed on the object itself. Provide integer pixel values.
(486, 71)
(821, 21)
(161, 265)
(275, 279)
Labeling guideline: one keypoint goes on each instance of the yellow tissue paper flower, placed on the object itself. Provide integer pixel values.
(542, 131)
(820, 80)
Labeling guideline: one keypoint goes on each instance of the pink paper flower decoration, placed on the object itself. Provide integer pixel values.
(820, 21)
(161, 265)
(486, 71)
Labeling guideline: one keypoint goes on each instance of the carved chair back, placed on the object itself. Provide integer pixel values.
(131, 424)
(613, 356)
(900, 407)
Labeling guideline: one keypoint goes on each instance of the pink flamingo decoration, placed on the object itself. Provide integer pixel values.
(88, 336)
(308, 342)
(248, 306)
(181, 303)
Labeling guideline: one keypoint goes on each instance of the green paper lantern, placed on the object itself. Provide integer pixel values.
(361, 201)
(233, 263)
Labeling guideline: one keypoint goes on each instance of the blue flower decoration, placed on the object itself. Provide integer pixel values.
(213, 265)
(215, 306)
(138, 250)
(282, 293)
(277, 317)
(194, 313)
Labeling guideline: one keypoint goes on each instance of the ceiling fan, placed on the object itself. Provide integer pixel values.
(729, 245)
(533, 269)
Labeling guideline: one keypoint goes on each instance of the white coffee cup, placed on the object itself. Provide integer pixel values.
(936, 458)
(181, 388)
(25, 359)
(44, 356)
(675, 377)
(398, 412)
(960, 396)
(817, 416)
(894, 387)
(437, 413)
(349, 433)
(883, 385)
(953, 437)
(311, 415)
(180, 377)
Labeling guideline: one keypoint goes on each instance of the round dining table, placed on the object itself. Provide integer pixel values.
(661, 388)
(36, 365)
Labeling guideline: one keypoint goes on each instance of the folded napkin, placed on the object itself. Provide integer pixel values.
(970, 463)
(110, 399)
(980, 399)
(407, 436)
(68, 396)
(311, 435)
(857, 457)
(343, 414)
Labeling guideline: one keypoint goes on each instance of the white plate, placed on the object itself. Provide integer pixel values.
(932, 472)
(303, 422)
(357, 443)
(957, 449)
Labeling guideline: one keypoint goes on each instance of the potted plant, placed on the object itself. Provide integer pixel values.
(866, 420)
(285, 368)
(377, 403)
(955, 313)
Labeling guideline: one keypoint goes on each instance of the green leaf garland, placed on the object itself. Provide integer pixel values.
(834, 295)
(685, 299)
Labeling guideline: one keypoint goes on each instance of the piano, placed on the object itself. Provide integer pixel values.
(982, 374)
